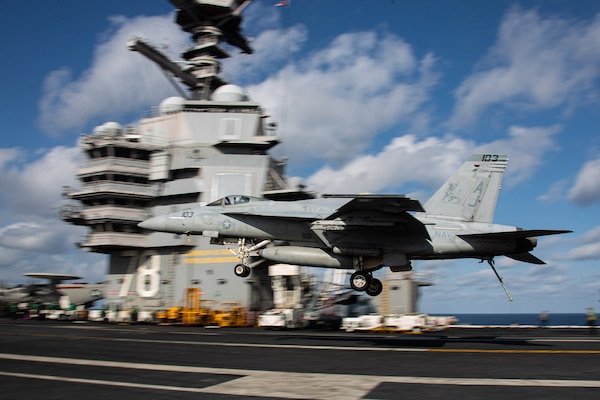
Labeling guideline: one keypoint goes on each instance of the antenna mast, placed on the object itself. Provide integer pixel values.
(210, 22)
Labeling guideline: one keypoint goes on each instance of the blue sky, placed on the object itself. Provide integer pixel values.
(371, 96)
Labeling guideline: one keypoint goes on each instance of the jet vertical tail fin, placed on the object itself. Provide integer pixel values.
(471, 193)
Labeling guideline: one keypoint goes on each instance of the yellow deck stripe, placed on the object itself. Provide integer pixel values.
(211, 260)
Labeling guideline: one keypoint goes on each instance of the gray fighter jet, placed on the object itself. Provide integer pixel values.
(366, 232)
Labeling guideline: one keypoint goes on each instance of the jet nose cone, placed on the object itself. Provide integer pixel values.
(154, 224)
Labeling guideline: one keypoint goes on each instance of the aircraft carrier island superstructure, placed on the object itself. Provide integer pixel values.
(195, 150)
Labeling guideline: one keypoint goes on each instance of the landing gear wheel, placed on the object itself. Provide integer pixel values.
(360, 281)
(375, 288)
(241, 270)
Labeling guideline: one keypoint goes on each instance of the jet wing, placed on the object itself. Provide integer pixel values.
(391, 211)
(397, 206)
(392, 203)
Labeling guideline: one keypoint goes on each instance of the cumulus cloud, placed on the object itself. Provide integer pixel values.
(118, 82)
(556, 191)
(32, 237)
(8, 156)
(335, 102)
(35, 186)
(586, 190)
(588, 246)
(429, 162)
(46, 246)
(405, 159)
(272, 49)
(526, 148)
(536, 63)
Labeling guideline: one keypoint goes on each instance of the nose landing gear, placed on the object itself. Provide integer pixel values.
(244, 252)
(241, 270)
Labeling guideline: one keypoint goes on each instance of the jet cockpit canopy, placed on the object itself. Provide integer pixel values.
(236, 200)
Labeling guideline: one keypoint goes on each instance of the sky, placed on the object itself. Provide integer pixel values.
(382, 96)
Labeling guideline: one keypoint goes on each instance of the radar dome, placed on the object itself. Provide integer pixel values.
(171, 105)
(113, 128)
(99, 130)
(108, 128)
(229, 93)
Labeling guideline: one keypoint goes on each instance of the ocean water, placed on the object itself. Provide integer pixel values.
(569, 319)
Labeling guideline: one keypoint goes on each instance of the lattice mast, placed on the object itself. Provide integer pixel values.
(210, 22)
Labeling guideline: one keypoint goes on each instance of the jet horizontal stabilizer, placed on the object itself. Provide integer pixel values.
(526, 257)
(519, 234)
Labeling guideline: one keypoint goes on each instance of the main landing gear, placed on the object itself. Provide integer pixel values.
(362, 281)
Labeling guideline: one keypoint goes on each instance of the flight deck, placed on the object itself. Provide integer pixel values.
(53, 360)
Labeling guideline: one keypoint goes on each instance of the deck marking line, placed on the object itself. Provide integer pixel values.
(337, 348)
(340, 348)
(307, 378)
(103, 382)
(516, 351)
(385, 349)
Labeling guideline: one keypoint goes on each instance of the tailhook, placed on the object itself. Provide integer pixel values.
(491, 262)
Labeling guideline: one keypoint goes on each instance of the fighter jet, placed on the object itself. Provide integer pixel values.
(366, 232)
